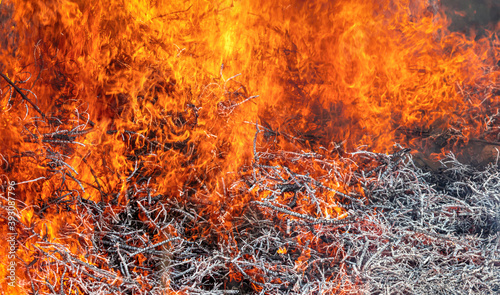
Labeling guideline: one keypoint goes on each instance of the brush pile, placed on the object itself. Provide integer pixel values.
(314, 222)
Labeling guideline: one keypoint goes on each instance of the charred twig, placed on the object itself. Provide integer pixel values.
(174, 12)
(156, 245)
(313, 220)
(485, 141)
(62, 141)
(19, 90)
(99, 188)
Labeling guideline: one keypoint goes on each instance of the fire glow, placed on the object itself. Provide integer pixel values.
(248, 146)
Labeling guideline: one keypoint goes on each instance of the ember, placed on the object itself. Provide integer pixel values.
(247, 147)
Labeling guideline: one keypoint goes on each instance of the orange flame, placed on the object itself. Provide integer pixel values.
(180, 85)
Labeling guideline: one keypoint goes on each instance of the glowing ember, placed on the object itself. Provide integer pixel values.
(131, 128)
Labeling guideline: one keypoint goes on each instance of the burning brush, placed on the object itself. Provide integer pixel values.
(247, 147)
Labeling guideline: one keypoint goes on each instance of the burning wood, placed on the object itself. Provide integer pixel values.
(131, 164)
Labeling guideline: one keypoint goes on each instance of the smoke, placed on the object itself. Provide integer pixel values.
(472, 16)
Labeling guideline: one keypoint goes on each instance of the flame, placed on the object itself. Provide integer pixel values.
(281, 250)
(170, 92)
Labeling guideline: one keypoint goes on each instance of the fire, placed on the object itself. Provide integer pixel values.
(150, 102)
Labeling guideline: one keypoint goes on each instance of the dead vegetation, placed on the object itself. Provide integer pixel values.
(398, 229)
